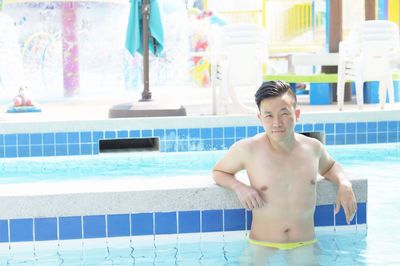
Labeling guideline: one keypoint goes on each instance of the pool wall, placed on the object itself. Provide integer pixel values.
(132, 209)
(177, 134)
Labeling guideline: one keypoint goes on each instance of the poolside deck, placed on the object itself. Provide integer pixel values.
(197, 102)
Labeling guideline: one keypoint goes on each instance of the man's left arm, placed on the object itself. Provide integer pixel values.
(333, 172)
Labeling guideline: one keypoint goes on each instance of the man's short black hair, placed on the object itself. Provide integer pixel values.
(270, 89)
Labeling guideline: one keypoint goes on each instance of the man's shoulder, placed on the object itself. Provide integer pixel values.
(309, 141)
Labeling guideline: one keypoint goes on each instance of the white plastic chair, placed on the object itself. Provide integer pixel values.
(369, 54)
(238, 53)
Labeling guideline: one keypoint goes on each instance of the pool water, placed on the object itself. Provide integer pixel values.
(156, 164)
(378, 245)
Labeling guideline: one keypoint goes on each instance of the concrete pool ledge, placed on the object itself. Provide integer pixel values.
(127, 196)
(32, 125)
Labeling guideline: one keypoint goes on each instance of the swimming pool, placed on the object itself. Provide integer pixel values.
(352, 246)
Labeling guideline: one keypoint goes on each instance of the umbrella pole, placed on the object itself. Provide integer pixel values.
(146, 94)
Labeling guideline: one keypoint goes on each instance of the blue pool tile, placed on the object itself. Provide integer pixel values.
(122, 134)
(183, 145)
(23, 139)
(382, 137)
(251, 131)
(361, 127)
(35, 139)
(319, 127)
(329, 128)
(61, 138)
(147, 133)
(10, 139)
(73, 137)
(134, 133)
(10, 151)
(234, 220)
(61, 150)
(2, 155)
(298, 128)
(372, 126)
(392, 126)
(228, 143)
(194, 145)
(206, 144)
(330, 139)
(240, 132)
(217, 144)
(308, 128)
(229, 132)
(194, 133)
(323, 215)
(45, 229)
(217, 133)
(261, 129)
(95, 148)
(86, 149)
(340, 139)
(3, 231)
(382, 126)
(205, 133)
(340, 128)
(21, 230)
(73, 149)
(1, 139)
(23, 151)
(189, 222)
(94, 226)
(392, 137)
(371, 138)
(142, 224)
(249, 219)
(160, 133)
(165, 223)
(98, 135)
(183, 133)
(49, 150)
(48, 138)
(118, 225)
(110, 134)
(36, 150)
(211, 221)
(361, 213)
(340, 218)
(171, 146)
(85, 136)
(170, 134)
(350, 139)
(361, 138)
(70, 227)
(351, 128)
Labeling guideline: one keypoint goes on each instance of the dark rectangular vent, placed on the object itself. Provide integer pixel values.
(128, 145)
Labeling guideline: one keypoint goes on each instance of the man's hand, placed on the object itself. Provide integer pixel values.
(345, 198)
(248, 196)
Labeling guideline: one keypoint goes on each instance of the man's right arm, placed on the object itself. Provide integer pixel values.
(224, 175)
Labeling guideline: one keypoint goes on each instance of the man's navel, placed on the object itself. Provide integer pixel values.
(312, 182)
(263, 188)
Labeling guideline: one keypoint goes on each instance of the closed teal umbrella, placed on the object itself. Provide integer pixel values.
(145, 33)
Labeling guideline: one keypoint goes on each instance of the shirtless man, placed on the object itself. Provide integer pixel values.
(282, 167)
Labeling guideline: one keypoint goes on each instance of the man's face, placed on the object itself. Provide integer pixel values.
(278, 116)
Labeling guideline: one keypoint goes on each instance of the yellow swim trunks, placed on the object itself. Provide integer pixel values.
(282, 246)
